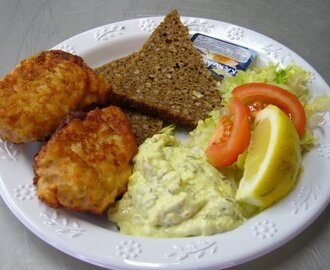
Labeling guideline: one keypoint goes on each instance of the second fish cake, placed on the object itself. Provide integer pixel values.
(86, 164)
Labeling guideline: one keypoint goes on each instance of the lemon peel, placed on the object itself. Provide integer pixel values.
(273, 159)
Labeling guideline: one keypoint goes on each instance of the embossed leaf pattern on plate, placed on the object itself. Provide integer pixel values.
(198, 25)
(109, 32)
(9, 150)
(323, 150)
(62, 224)
(277, 53)
(25, 192)
(319, 121)
(264, 229)
(235, 33)
(67, 48)
(305, 197)
(129, 249)
(147, 25)
(195, 249)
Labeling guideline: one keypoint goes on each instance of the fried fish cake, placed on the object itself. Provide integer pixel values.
(41, 91)
(86, 164)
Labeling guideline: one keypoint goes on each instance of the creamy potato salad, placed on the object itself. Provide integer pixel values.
(175, 192)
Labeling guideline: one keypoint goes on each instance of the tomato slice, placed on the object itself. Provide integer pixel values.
(258, 95)
(231, 137)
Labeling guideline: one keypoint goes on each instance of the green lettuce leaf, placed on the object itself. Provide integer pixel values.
(292, 78)
(202, 134)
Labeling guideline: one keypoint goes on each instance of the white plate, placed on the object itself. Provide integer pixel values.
(94, 240)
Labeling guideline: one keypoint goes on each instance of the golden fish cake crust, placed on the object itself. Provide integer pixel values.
(86, 164)
(41, 91)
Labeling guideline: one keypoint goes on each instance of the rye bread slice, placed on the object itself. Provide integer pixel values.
(166, 78)
(143, 126)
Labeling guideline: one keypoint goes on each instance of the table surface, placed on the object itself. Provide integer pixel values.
(27, 27)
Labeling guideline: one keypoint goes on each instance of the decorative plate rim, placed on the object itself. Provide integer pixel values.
(70, 232)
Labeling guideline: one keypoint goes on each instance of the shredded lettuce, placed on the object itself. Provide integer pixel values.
(307, 140)
(292, 78)
(202, 134)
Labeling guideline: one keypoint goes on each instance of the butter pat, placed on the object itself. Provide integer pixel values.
(223, 58)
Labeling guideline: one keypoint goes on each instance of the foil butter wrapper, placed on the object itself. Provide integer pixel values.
(223, 58)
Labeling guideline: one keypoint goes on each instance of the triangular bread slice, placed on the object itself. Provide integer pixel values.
(166, 78)
(143, 126)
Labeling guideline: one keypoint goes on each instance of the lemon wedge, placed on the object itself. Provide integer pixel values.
(273, 159)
